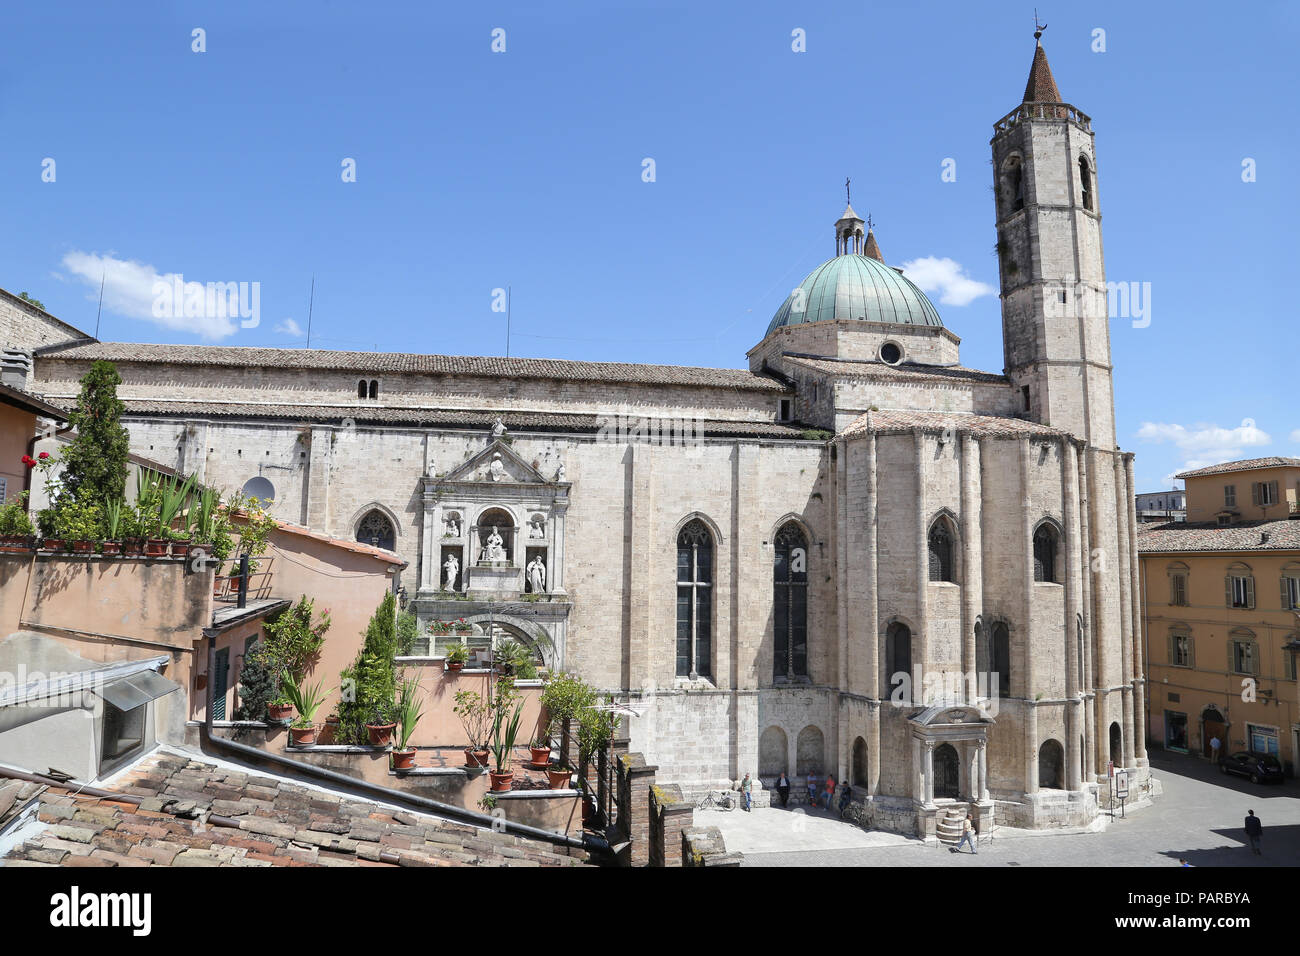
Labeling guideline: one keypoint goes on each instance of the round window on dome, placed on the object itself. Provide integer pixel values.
(891, 353)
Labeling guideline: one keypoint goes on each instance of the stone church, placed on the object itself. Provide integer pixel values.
(855, 556)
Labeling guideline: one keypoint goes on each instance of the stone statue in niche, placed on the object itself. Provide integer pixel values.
(559, 472)
(451, 525)
(497, 470)
(494, 549)
(537, 526)
(536, 575)
(451, 568)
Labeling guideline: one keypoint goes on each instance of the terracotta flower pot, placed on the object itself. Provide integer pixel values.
(280, 711)
(156, 547)
(15, 543)
(52, 544)
(404, 759)
(302, 736)
(112, 547)
(558, 779)
(454, 666)
(541, 756)
(475, 758)
(83, 547)
(380, 734)
(501, 781)
(132, 546)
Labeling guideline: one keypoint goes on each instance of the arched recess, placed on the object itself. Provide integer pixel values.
(1011, 185)
(810, 752)
(859, 774)
(773, 752)
(377, 530)
(1048, 554)
(1051, 764)
(896, 639)
(1116, 744)
(530, 634)
(790, 575)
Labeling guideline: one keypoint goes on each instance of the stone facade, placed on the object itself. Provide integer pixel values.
(933, 522)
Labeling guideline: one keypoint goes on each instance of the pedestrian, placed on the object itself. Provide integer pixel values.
(812, 789)
(846, 797)
(1183, 862)
(830, 791)
(967, 834)
(746, 787)
(1253, 830)
(1214, 748)
(783, 788)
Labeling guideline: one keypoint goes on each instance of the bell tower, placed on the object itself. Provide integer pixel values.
(1055, 333)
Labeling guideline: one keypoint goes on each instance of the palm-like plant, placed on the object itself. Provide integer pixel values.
(409, 711)
(306, 699)
(504, 731)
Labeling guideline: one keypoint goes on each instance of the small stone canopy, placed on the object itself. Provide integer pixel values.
(948, 714)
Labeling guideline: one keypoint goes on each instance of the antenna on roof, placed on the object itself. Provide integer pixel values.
(1038, 27)
(311, 301)
(507, 321)
(101, 303)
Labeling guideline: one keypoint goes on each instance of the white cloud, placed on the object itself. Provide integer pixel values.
(1295, 435)
(948, 278)
(1206, 444)
(289, 327)
(129, 291)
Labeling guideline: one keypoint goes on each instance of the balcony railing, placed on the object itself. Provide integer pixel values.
(1033, 111)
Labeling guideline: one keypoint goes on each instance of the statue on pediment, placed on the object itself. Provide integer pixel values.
(497, 470)
(536, 575)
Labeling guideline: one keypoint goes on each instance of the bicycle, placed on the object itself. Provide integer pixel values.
(722, 802)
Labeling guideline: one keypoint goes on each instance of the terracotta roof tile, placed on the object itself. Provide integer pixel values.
(1248, 464)
(1041, 87)
(986, 426)
(904, 371)
(1247, 536)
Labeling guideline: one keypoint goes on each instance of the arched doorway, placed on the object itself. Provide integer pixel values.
(1116, 745)
(1051, 759)
(810, 752)
(773, 753)
(946, 772)
(859, 776)
(1212, 725)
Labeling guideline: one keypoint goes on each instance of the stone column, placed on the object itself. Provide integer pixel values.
(1139, 647)
(972, 570)
(1027, 643)
(1100, 629)
(918, 772)
(982, 752)
(1125, 605)
(1088, 690)
(872, 626)
(921, 661)
(1073, 587)
(929, 773)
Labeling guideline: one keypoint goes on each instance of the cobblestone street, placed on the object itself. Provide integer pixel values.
(1198, 817)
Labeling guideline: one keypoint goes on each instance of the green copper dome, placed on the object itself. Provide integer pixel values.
(855, 286)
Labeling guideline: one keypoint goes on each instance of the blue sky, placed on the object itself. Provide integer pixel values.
(476, 170)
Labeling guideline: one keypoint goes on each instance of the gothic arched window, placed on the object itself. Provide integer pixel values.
(361, 389)
(374, 388)
(694, 600)
(1045, 548)
(941, 551)
(898, 654)
(1085, 181)
(1001, 648)
(790, 604)
(376, 530)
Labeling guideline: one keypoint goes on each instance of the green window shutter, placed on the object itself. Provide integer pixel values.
(1191, 651)
(1250, 592)
(1254, 493)
(1227, 589)
(1173, 642)
(1286, 596)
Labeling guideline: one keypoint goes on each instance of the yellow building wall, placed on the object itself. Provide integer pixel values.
(1266, 700)
(1205, 496)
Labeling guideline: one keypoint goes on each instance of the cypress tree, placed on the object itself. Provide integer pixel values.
(95, 461)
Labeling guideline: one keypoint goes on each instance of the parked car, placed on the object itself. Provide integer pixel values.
(1258, 768)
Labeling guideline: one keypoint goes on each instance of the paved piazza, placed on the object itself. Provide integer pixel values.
(1198, 817)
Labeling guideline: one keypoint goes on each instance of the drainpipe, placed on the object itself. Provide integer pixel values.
(363, 790)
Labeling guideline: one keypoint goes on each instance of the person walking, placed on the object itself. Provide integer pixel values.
(783, 788)
(846, 797)
(812, 789)
(746, 787)
(1253, 830)
(1214, 748)
(830, 791)
(967, 834)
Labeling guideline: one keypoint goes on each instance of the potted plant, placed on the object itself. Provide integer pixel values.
(558, 777)
(540, 749)
(16, 528)
(456, 656)
(515, 660)
(476, 718)
(306, 700)
(281, 708)
(505, 728)
(381, 724)
(409, 712)
(565, 697)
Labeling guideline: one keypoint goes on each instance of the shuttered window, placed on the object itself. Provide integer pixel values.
(1263, 493)
(1181, 653)
(1240, 591)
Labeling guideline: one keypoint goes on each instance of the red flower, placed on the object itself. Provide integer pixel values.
(29, 461)
(43, 455)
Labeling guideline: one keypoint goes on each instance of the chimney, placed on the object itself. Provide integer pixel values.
(15, 367)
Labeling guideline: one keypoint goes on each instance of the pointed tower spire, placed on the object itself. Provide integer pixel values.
(871, 247)
(1041, 87)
